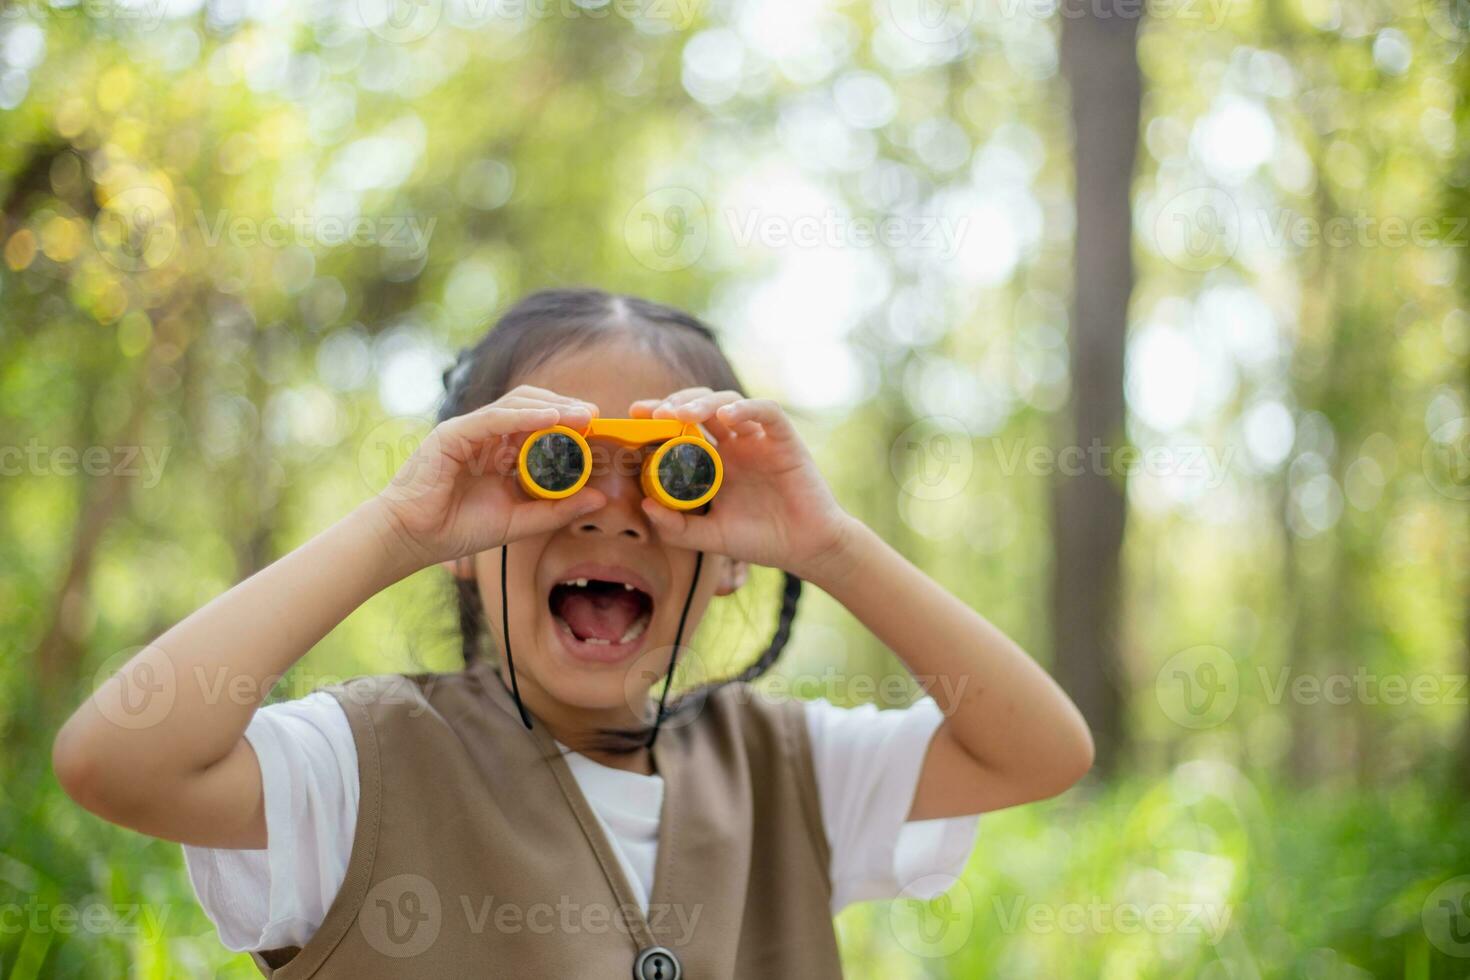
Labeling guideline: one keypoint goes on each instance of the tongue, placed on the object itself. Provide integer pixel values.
(600, 615)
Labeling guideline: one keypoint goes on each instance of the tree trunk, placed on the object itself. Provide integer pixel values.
(1099, 56)
(1457, 200)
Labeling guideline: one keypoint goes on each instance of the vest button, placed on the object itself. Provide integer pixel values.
(656, 963)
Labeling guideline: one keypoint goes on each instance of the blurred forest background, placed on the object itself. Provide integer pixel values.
(1140, 323)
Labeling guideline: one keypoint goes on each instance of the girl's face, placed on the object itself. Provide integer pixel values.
(587, 652)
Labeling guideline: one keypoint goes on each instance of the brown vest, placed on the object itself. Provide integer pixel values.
(476, 854)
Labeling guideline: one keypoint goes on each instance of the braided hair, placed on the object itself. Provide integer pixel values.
(556, 320)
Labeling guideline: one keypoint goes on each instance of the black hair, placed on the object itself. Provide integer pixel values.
(553, 321)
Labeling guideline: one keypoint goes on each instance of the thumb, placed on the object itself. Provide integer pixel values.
(540, 516)
(681, 529)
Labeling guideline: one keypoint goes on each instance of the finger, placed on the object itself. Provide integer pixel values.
(665, 410)
(698, 405)
(643, 408)
(765, 412)
(746, 428)
(574, 409)
(681, 529)
(545, 394)
(701, 408)
(529, 517)
(573, 414)
(492, 421)
(721, 432)
(475, 440)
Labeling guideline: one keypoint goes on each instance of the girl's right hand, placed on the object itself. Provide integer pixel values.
(458, 494)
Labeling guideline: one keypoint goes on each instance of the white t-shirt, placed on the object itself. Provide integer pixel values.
(867, 765)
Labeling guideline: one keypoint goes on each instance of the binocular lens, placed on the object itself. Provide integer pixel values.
(555, 462)
(686, 472)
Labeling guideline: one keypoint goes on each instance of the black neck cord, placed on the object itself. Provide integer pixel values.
(674, 653)
(510, 664)
(515, 689)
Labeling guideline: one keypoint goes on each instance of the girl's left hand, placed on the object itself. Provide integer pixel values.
(773, 508)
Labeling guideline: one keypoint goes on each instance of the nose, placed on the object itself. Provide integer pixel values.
(622, 516)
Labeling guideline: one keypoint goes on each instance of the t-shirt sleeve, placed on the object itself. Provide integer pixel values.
(867, 764)
(276, 897)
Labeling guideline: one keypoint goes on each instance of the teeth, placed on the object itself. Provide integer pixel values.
(582, 583)
(635, 629)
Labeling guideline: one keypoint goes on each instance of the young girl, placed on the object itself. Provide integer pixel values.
(543, 812)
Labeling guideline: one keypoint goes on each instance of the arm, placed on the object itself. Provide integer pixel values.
(160, 746)
(1010, 735)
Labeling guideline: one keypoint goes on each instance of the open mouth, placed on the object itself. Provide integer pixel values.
(600, 613)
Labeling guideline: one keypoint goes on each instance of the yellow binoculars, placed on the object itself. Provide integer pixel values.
(683, 473)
